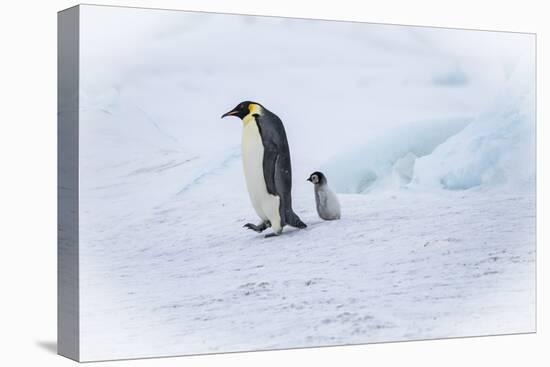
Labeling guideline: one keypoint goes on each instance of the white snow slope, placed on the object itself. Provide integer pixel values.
(426, 134)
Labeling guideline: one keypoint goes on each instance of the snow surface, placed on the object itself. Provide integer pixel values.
(426, 134)
(188, 279)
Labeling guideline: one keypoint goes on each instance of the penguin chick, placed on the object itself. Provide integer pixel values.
(328, 206)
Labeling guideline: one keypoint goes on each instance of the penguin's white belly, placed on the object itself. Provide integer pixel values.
(265, 204)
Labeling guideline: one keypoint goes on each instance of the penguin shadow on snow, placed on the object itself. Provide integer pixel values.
(290, 232)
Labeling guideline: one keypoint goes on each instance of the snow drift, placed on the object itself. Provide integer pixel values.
(494, 149)
(387, 161)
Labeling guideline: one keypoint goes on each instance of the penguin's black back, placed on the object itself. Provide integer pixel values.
(277, 165)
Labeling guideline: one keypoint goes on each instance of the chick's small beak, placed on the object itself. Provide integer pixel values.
(309, 179)
(230, 113)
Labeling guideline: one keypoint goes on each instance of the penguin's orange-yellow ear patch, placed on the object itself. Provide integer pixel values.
(253, 108)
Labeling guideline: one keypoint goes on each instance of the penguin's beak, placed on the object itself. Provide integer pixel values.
(230, 113)
(309, 179)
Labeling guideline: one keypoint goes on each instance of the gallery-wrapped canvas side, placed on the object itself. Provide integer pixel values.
(67, 185)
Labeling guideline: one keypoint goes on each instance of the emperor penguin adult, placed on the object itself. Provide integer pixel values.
(267, 170)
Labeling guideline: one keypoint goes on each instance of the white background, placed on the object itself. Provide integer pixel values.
(28, 182)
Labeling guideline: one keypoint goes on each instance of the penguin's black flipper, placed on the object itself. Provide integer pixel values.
(269, 166)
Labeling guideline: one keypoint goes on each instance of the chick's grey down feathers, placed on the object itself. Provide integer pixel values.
(326, 201)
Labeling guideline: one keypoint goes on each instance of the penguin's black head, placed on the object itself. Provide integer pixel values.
(317, 178)
(243, 109)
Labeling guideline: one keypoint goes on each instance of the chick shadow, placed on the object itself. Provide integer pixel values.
(48, 345)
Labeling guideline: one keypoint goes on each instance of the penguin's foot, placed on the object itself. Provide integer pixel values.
(258, 228)
(277, 230)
